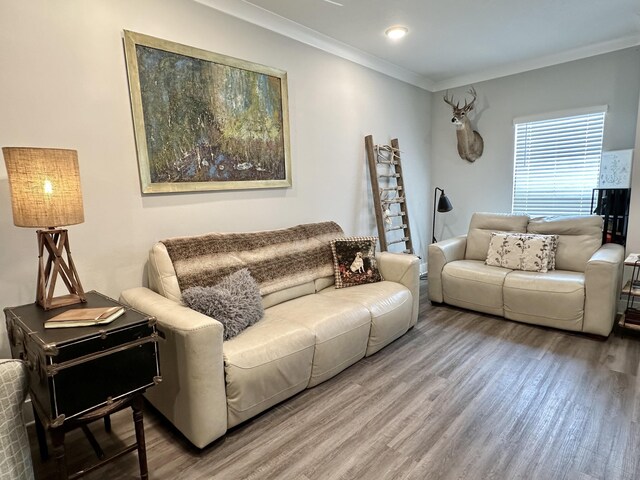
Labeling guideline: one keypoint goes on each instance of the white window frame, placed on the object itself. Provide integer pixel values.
(555, 173)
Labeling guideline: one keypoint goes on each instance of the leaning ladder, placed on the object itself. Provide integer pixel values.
(389, 199)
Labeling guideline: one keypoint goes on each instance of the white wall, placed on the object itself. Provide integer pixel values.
(486, 185)
(63, 84)
(633, 233)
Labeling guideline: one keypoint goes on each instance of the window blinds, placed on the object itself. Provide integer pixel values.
(557, 162)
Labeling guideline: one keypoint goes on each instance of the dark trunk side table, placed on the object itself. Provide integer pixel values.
(82, 374)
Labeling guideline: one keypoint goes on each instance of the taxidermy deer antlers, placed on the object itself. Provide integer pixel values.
(470, 143)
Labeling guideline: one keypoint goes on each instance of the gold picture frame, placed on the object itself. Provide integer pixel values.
(206, 121)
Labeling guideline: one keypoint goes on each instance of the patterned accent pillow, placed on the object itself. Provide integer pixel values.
(523, 251)
(235, 302)
(552, 251)
(354, 261)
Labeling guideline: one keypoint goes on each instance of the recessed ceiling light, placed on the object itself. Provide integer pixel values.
(396, 32)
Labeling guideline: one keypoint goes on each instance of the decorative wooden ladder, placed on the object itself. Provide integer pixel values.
(390, 200)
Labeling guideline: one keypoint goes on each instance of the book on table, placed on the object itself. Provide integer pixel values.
(84, 317)
(632, 315)
(632, 259)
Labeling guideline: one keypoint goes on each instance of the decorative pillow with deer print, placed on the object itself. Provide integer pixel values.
(354, 261)
(523, 251)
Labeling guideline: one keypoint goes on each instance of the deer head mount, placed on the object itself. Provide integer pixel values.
(470, 143)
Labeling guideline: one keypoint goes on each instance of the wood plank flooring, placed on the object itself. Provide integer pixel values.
(460, 396)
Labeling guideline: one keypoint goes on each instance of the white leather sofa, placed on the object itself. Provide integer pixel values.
(581, 294)
(309, 333)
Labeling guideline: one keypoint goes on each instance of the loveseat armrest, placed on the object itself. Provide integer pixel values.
(440, 254)
(192, 392)
(602, 281)
(14, 441)
(403, 269)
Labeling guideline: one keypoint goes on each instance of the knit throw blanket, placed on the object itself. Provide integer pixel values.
(277, 259)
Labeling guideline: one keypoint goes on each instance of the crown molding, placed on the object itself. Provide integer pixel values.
(534, 64)
(256, 15)
(276, 23)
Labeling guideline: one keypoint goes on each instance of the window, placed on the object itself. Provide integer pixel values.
(557, 161)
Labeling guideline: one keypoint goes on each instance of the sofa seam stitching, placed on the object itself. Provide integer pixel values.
(269, 398)
(271, 361)
(341, 363)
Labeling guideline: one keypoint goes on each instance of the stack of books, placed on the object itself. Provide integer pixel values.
(84, 317)
(632, 316)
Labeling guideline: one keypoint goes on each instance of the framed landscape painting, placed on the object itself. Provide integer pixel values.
(205, 121)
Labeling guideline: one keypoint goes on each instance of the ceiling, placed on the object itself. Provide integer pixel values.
(450, 42)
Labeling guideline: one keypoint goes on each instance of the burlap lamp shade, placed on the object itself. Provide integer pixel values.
(46, 193)
(45, 186)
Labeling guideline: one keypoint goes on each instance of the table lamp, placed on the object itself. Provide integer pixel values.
(444, 205)
(45, 193)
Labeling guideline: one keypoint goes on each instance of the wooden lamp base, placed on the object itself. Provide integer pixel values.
(56, 242)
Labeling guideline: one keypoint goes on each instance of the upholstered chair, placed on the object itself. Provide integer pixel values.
(15, 455)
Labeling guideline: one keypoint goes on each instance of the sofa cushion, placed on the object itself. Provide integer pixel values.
(354, 261)
(579, 238)
(483, 224)
(267, 363)
(390, 305)
(341, 331)
(472, 284)
(324, 282)
(522, 251)
(286, 294)
(554, 299)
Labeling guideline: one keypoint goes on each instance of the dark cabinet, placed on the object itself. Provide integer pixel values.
(612, 204)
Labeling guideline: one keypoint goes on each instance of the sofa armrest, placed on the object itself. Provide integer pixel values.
(440, 254)
(403, 269)
(603, 281)
(192, 392)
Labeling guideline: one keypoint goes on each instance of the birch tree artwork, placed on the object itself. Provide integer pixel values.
(209, 122)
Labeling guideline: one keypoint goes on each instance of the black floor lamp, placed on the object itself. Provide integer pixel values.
(444, 205)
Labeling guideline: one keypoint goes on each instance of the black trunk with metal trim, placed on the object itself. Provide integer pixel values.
(76, 369)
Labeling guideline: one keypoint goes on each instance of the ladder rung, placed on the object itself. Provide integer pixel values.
(390, 175)
(403, 239)
(399, 214)
(384, 146)
(391, 229)
(391, 189)
(395, 200)
(387, 149)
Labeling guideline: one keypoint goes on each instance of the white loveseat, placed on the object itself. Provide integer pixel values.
(581, 294)
(310, 332)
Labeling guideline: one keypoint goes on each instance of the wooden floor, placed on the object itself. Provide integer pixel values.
(460, 396)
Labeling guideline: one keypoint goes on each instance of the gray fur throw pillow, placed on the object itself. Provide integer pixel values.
(235, 302)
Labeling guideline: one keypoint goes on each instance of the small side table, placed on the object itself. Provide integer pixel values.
(630, 320)
(82, 374)
(58, 435)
